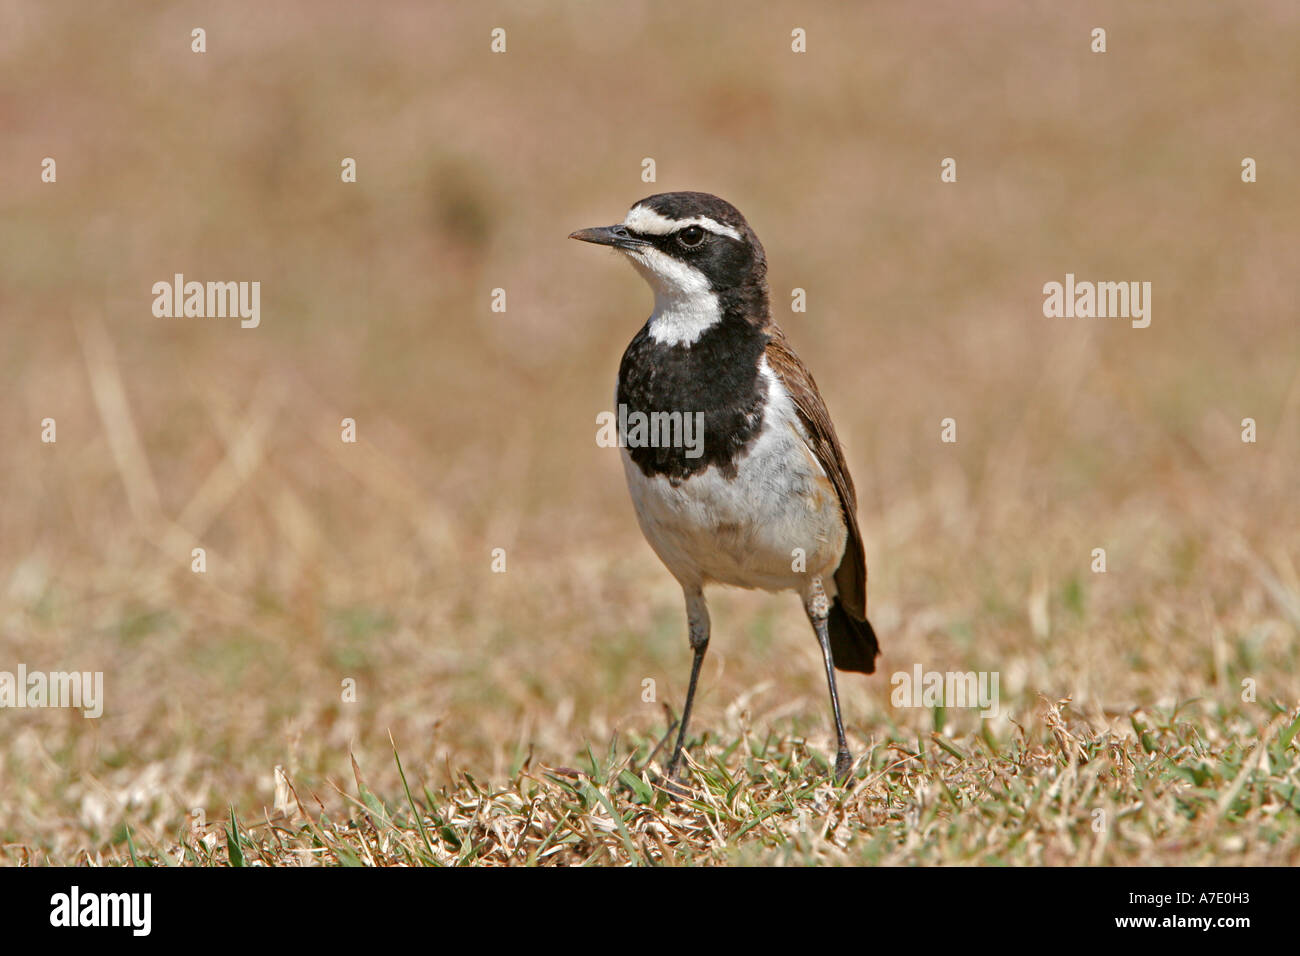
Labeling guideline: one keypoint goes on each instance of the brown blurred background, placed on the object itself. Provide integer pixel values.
(373, 561)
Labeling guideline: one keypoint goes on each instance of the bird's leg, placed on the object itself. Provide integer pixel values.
(818, 607)
(697, 616)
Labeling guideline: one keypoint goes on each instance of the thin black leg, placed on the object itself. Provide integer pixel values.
(843, 759)
(686, 713)
(817, 606)
(698, 620)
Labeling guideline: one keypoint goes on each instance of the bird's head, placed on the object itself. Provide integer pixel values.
(698, 255)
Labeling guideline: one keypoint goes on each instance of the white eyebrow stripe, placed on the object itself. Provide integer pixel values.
(646, 220)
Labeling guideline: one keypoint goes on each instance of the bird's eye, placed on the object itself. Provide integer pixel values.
(691, 236)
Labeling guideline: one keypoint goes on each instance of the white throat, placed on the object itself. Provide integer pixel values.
(685, 306)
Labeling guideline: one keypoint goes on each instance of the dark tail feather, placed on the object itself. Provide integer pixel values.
(853, 642)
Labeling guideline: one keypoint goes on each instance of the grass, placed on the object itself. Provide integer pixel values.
(1058, 792)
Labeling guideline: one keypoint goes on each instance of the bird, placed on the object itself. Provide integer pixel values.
(765, 500)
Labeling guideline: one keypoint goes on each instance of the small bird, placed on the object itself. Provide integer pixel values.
(765, 499)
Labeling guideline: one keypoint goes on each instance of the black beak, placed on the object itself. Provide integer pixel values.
(616, 236)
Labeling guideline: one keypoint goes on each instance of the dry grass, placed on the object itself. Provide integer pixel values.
(371, 562)
(1059, 792)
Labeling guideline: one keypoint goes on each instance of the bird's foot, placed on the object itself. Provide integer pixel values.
(843, 767)
(672, 784)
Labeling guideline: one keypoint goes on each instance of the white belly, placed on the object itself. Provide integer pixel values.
(773, 526)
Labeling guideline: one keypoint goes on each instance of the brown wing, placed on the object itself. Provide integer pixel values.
(851, 575)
